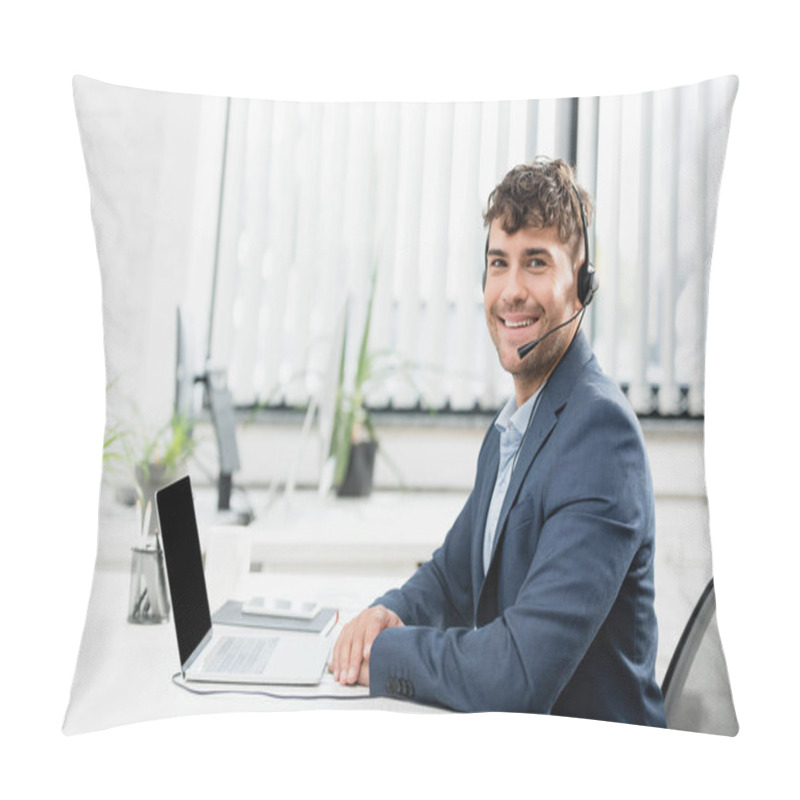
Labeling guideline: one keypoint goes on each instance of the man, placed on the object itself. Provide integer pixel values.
(541, 597)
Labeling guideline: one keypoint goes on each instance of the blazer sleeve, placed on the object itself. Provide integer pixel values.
(596, 501)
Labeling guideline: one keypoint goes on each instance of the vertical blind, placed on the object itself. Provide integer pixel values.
(314, 197)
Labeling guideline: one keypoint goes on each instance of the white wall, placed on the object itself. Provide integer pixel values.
(155, 224)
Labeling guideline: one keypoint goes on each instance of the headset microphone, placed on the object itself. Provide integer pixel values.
(526, 348)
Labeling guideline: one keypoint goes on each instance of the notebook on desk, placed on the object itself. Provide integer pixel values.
(207, 654)
(233, 613)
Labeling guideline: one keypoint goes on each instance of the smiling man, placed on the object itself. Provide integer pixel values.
(541, 597)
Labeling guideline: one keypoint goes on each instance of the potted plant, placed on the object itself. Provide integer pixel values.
(353, 441)
(160, 459)
(354, 444)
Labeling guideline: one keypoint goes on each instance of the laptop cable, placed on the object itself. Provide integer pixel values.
(272, 695)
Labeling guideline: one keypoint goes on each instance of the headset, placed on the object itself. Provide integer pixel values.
(587, 277)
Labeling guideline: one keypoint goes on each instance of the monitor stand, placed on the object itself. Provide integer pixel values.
(224, 419)
(228, 514)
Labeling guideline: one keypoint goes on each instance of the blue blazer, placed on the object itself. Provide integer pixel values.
(563, 621)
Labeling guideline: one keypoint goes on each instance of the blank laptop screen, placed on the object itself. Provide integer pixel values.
(187, 584)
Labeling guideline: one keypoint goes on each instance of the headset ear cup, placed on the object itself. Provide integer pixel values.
(587, 277)
(587, 284)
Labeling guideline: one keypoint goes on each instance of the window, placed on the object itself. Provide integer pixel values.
(313, 197)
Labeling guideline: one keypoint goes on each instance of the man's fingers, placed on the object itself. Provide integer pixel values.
(355, 656)
(346, 658)
(375, 624)
(340, 662)
(352, 648)
(336, 659)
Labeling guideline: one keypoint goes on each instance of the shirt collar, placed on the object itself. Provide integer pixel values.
(518, 418)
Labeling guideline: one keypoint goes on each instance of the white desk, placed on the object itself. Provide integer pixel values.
(390, 533)
(124, 671)
(341, 553)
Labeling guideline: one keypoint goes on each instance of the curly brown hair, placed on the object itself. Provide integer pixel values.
(540, 195)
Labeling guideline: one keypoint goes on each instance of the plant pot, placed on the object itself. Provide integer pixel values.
(148, 602)
(360, 468)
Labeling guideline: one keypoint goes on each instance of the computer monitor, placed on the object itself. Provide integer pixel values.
(223, 418)
(220, 401)
(185, 369)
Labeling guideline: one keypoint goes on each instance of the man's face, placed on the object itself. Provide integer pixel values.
(531, 286)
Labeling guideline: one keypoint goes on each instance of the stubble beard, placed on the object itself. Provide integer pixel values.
(530, 372)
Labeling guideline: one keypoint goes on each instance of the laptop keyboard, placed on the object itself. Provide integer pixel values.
(240, 655)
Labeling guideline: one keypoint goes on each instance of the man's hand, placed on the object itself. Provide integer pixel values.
(350, 661)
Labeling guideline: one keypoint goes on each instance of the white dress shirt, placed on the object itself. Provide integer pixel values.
(512, 424)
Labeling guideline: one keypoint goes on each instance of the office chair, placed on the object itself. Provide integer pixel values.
(696, 689)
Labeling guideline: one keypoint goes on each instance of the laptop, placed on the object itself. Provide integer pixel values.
(207, 654)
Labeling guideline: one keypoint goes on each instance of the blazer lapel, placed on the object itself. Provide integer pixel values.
(485, 491)
(542, 425)
(553, 399)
